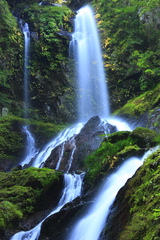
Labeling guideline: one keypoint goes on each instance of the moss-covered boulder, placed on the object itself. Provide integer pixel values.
(25, 192)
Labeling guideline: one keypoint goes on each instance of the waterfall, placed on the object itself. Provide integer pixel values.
(26, 33)
(72, 189)
(30, 151)
(60, 139)
(92, 97)
(92, 224)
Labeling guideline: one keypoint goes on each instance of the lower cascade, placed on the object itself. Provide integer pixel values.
(92, 224)
(72, 189)
(31, 150)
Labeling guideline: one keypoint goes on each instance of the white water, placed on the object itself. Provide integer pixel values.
(92, 224)
(92, 90)
(61, 138)
(30, 151)
(72, 189)
(26, 33)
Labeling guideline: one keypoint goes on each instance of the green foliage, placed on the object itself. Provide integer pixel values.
(144, 201)
(107, 156)
(130, 41)
(141, 104)
(10, 54)
(117, 147)
(11, 139)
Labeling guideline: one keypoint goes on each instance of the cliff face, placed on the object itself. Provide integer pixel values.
(51, 85)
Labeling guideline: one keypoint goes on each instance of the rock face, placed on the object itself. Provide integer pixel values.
(80, 146)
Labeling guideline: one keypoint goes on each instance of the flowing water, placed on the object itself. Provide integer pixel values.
(72, 189)
(26, 33)
(92, 100)
(30, 151)
(61, 138)
(91, 225)
(92, 90)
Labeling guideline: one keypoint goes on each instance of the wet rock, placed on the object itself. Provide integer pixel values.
(78, 147)
(59, 225)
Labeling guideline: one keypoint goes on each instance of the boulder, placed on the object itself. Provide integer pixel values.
(77, 148)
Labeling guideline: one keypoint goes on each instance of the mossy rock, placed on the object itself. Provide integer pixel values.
(138, 106)
(144, 137)
(117, 136)
(29, 191)
(9, 214)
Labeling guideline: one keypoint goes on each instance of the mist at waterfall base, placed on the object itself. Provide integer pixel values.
(92, 95)
(92, 100)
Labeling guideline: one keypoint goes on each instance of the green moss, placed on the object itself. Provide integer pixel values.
(45, 130)
(141, 104)
(24, 190)
(144, 137)
(144, 189)
(11, 138)
(9, 214)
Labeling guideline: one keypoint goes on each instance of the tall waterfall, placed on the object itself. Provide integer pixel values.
(92, 224)
(30, 151)
(92, 97)
(26, 33)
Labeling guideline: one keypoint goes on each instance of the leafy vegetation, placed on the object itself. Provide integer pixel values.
(130, 40)
(11, 49)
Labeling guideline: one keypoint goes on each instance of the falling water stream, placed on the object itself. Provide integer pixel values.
(30, 151)
(92, 91)
(92, 100)
(91, 225)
